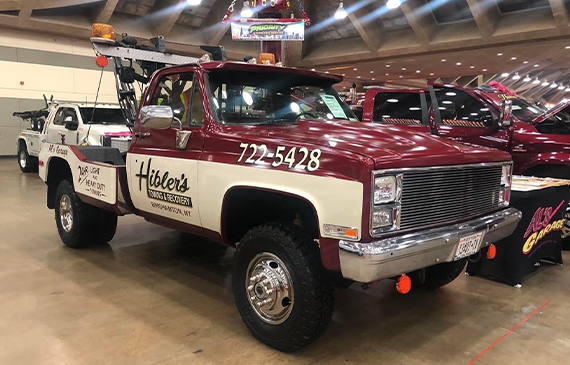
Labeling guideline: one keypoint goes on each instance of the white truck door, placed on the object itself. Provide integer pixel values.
(57, 131)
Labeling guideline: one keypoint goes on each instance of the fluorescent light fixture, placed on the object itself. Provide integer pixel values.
(545, 83)
(393, 4)
(517, 76)
(194, 2)
(553, 85)
(505, 74)
(561, 87)
(527, 78)
(246, 11)
(458, 63)
(536, 81)
(340, 13)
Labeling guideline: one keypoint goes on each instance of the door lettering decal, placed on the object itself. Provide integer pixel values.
(159, 186)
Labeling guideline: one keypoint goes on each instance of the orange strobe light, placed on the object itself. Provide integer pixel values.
(104, 31)
(492, 252)
(404, 284)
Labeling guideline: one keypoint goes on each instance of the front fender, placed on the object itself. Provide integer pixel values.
(546, 158)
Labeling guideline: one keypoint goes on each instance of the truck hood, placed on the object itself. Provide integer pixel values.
(558, 108)
(387, 145)
(102, 129)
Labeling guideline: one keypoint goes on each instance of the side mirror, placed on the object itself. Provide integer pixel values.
(506, 117)
(70, 123)
(156, 116)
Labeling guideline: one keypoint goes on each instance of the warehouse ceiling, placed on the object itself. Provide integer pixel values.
(480, 40)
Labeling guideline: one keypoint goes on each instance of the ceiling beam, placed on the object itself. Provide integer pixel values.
(213, 30)
(486, 15)
(25, 14)
(560, 13)
(106, 11)
(365, 29)
(422, 22)
(165, 14)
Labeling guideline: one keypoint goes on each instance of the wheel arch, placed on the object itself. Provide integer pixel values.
(555, 170)
(57, 169)
(264, 205)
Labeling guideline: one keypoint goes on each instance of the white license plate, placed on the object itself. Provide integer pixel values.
(468, 245)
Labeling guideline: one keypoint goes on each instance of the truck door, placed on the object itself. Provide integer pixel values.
(57, 131)
(163, 179)
(407, 109)
(463, 117)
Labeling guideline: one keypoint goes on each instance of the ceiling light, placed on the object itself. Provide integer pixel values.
(326, 72)
(343, 74)
(536, 81)
(246, 11)
(340, 13)
(471, 66)
(513, 58)
(567, 89)
(561, 87)
(403, 69)
(418, 71)
(371, 72)
(194, 2)
(535, 65)
(387, 65)
(525, 62)
(355, 69)
(499, 54)
(387, 74)
(401, 76)
(527, 78)
(484, 70)
(567, 47)
(545, 83)
(373, 79)
(458, 63)
(393, 4)
(431, 73)
(358, 77)
(517, 76)
(553, 85)
(313, 69)
(443, 60)
(505, 74)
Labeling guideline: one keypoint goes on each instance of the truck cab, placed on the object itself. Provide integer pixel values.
(538, 140)
(69, 123)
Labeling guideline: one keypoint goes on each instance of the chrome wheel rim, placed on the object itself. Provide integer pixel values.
(269, 288)
(22, 159)
(66, 213)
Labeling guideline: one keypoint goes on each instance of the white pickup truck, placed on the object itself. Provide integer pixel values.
(73, 124)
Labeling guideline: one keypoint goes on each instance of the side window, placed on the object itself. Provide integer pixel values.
(397, 108)
(175, 91)
(59, 116)
(459, 108)
(69, 112)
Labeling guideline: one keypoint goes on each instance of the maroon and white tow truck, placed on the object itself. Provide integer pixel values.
(271, 161)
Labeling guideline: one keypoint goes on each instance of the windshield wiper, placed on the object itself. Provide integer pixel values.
(278, 121)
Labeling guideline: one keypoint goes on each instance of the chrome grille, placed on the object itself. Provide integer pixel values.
(431, 197)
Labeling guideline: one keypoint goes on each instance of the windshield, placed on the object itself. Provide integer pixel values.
(104, 116)
(254, 98)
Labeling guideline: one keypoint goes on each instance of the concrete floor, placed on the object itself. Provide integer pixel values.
(154, 296)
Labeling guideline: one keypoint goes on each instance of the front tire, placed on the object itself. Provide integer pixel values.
(25, 161)
(280, 286)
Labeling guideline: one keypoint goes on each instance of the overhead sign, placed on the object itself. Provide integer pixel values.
(268, 31)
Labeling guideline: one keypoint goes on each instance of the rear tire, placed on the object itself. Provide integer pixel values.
(282, 264)
(107, 225)
(75, 220)
(441, 274)
(25, 161)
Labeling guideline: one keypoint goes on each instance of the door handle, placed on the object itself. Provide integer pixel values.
(142, 135)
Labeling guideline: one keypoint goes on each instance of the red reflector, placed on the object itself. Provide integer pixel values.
(492, 252)
(102, 61)
(40, 162)
(404, 284)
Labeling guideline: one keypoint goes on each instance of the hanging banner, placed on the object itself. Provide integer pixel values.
(268, 31)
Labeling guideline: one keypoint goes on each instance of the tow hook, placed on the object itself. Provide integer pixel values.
(367, 286)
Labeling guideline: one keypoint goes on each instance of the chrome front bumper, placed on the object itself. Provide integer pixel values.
(389, 257)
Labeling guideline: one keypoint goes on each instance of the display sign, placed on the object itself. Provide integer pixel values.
(333, 105)
(537, 237)
(268, 31)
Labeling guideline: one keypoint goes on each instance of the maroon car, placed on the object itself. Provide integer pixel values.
(538, 140)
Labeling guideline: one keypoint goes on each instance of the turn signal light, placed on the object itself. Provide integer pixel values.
(404, 284)
(104, 31)
(492, 252)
